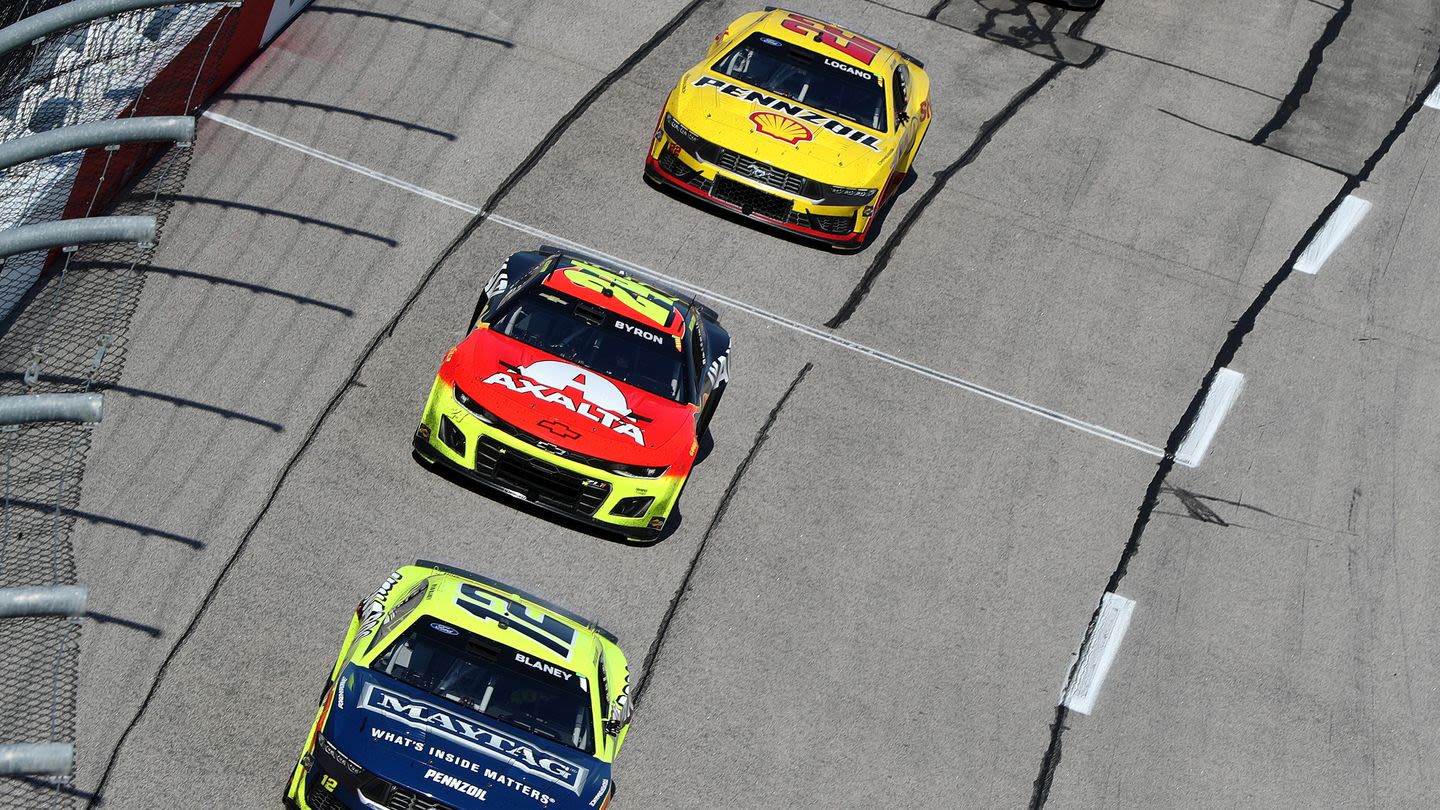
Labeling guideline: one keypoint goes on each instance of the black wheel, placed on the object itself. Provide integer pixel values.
(709, 412)
(475, 316)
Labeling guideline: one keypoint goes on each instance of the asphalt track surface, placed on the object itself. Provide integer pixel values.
(935, 456)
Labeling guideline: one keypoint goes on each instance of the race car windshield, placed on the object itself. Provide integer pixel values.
(594, 338)
(493, 680)
(808, 78)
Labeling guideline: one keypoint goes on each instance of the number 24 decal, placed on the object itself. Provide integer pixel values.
(837, 38)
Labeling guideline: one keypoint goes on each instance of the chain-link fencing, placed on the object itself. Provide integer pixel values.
(64, 314)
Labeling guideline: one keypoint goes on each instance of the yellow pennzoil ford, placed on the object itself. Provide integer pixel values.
(796, 123)
(454, 691)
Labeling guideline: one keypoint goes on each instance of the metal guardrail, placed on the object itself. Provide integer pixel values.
(113, 132)
(75, 77)
(28, 408)
(36, 759)
(68, 232)
(32, 29)
(51, 600)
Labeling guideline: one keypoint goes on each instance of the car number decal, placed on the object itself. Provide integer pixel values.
(851, 45)
(544, 629)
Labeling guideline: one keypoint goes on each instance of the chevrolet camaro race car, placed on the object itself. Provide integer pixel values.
(796, 123)
(454, 691)
(580, 389)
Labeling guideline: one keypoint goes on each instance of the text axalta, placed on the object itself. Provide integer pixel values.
(589, 410)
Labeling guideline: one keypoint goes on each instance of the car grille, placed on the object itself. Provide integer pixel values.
(398, 798)
(394, 797)
(677, 168)
(547, 445)
(538, 479)
(764, 172)
(750, 199)
(319, 798)
(828, 224)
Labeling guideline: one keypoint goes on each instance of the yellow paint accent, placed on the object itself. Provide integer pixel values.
(646, 302)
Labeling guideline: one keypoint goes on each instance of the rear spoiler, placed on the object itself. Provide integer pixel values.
(545, 603)
(585, 257)
(917, 62)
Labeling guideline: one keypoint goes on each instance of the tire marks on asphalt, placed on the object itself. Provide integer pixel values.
(942, 177)
(658, 643)
(1306, 78)
(1234, 339)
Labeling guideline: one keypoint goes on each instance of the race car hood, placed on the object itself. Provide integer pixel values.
(778, 131)
(463, 759)
(569, 406)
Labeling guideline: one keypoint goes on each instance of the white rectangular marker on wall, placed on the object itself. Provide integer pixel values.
(1340, 224)
(1096, 657)
(1224, 390)
(1433, 100)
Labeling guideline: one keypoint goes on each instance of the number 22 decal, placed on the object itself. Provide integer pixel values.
(837, 38)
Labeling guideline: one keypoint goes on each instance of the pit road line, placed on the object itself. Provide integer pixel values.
(749, 309)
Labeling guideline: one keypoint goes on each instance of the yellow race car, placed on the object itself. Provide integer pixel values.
(795, 123)
(454, 691)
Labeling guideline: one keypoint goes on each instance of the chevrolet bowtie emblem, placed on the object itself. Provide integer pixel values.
(560, 429)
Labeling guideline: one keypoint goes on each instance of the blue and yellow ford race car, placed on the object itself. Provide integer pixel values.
(454, 691)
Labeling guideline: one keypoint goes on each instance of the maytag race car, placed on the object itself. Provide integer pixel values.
(795, 123)
(580, 389)
(454, 691)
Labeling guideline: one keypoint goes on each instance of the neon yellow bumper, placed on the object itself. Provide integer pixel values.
(492, 454)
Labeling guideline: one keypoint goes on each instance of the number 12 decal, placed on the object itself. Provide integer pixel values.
(837, 38)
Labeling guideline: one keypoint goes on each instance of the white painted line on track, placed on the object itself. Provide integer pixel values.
(341, 162)
(693, 289)
(1433, 100)
(1093, 663)
(1340, 224)
(1224, 390)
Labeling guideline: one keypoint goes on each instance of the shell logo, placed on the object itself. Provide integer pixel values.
(780, 127)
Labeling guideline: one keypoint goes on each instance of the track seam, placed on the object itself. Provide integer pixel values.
(1234, 339)
(683, 588)
(515, 176)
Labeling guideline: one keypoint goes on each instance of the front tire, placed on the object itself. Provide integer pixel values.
(704, 425)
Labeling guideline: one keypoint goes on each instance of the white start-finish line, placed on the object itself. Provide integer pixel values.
(1092, 664)
(1340, 225)
(1220, 397)
(685, 286)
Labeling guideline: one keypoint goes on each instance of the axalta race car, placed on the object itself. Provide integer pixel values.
(581, 389)
(795, 123)
(454, 691)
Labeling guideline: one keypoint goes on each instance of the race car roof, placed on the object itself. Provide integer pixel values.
(825, 38)
(621, 295)
(522, 623)
(527, 596)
